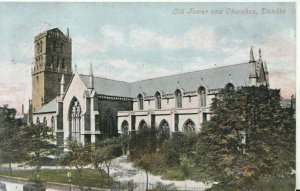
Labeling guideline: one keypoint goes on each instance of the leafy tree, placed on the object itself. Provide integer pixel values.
(78, 156)
(39, 144)
(10, 146)
(250, 138)
(104, 152)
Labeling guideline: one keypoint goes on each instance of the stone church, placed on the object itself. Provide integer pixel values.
(88, 108)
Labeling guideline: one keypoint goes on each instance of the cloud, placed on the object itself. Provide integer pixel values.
(112, 36)
(195, 38)
(83, 46)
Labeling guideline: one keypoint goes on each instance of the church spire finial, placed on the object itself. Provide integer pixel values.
(259, 51)
(68, 34)
(91, 77)
(251, 55)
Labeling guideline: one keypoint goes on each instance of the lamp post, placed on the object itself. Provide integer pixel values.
(69, 175)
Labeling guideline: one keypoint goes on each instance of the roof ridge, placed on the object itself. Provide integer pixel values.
(188, 72)
(105, 78)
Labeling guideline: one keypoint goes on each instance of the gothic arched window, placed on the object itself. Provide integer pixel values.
(52, 125)
(54, 46)
(75, 119)
(189, 126)
(38, 120)
(63, 63)
(41, 46)
(140, 102)
(38, 47)
(124, 127)
(45, 121)
(143, 125)
(164, 129)
(202, 96)
(178, 98)
(158, 100)
(229, 87)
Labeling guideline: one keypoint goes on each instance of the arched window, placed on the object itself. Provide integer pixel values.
(124, 128)
(45, 120)
(57, 62)
(143, 125)
(202, 96)
(189, 126)
(61, 47)
(75, 119)
(164, 129)
(63, 63)
(41, 46)
(52, 123)
(54, 46)
(38, 47)
(38, 120)
(178, 97)
(158, 100)
(229, 87)
(140, 102)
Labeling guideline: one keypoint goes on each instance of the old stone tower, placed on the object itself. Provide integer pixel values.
(52, 59)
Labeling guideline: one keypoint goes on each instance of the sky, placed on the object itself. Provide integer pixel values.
(135, 41)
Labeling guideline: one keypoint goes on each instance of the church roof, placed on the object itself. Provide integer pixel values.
(48, 108)
(214, 78)
(108, 87)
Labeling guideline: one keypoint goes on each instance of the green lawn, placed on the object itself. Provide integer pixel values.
(89, 178)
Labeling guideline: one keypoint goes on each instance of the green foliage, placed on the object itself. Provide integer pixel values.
(38, 142)
(11, 148)
(104, 152)
(268, 149)
(78, 156)
(89, 177)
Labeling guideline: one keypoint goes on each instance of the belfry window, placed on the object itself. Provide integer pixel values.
(158, 100)
(202, 96)
(178, 97)
(140, 102)
(75, 120)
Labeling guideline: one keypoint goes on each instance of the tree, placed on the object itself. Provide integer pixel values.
(10, 146)
(39, 144)
(78, 155)
(250, 138)
(104, 152)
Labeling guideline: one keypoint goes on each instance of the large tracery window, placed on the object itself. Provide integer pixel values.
(189, 126)
(158, 100)
(202, 96)
(75, 120)
(178, 97)
(140, 102)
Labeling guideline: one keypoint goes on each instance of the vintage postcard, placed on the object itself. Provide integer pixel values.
(148, 96)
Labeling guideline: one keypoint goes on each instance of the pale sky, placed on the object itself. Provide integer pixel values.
(135, 41)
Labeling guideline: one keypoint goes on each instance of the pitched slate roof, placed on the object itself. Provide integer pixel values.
(214, 78)
(48, 108)
(108, 87)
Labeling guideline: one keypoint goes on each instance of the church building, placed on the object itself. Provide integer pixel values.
(88, 108)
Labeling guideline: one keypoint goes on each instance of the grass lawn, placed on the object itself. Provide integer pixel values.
(89, 178)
